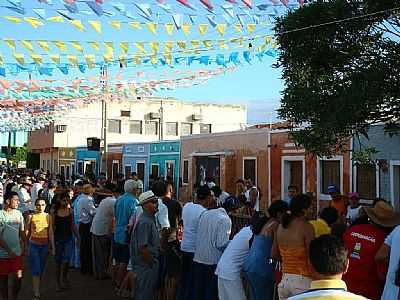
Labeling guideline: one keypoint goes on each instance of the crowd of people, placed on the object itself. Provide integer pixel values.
(151, 246)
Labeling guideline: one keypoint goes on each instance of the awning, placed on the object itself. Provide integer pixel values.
(215, 153)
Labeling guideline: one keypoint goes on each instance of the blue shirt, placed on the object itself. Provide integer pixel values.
(125, 207)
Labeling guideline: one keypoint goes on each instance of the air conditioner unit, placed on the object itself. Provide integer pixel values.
(61, 128)
(197, 117)
(154, 115)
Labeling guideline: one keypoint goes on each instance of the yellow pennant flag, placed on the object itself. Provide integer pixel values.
(116, 24)
(60, 45)
(195, 44)
(135, 25)
(274, 45)
(207, 44)
(168, 58)
(37, 58)
(222, 45)
(181, 44)
(58, 19)
(238, 41)
(137, 60)
(221, 29)
(78, 24)
(169, 28)
(55, 58)
(153, 59)
(77, 46)
(90, 60)
(186, 29)
(203, 28)
(96, 25)
(154, 46)
(122, 60)
(109, 47)
(94, 45)
(152, 27)
(140, 47)
(44, 45)
(27, 45)
(19, 58)
(10, 43)
(238, 27)
(34, 22)
(73, 59)
(251, 27)
(124, 47)
(13, 19)
(108, 57)
(268, 39)
(168, 45)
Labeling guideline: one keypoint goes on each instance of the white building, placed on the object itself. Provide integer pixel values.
(130, 121)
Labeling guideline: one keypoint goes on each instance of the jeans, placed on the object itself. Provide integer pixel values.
(205, 282)
(64, 248)
(260, 287)
(185, 290)
(37, 258)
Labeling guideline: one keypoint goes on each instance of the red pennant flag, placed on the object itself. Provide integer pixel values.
(285, 2)
(184, 2)
(247, 3)
(207, 4)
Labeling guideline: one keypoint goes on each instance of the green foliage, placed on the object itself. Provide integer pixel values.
(341, 77)
(20, 155)
(365, 156)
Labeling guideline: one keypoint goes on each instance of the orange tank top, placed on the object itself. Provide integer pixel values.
(294, 261)
(40, 228)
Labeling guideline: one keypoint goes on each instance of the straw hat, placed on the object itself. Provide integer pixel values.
(146, 197)
(88, 189)
(383, 214)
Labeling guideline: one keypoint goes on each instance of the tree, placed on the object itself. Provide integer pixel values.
(341, 66)
(20, 155)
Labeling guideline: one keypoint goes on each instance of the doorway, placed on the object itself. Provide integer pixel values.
(293, 173)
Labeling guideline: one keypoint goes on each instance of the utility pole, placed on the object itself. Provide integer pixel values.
(104, 83)
(161, 127)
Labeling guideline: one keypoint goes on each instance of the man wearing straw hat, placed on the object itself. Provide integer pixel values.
(365, 276)
(144, 246)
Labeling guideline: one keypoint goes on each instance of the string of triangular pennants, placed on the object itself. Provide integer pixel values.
(152, 27)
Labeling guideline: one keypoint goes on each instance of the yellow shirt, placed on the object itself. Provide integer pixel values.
(320, 227)
(327, 290)
(40, 228)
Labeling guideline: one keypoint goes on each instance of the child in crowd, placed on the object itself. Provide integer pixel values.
(353, 210)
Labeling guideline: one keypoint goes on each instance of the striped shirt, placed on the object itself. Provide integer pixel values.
(327, 290)
(212, 238)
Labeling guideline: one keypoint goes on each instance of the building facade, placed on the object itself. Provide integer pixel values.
(134, 120)
(16, 139)
(87, 161)
(225, 157)
(165, 161)
(381, 178)
(136, 158)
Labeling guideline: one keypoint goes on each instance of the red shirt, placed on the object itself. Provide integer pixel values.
(363, 242)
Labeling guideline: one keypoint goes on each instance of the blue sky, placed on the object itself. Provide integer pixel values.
(257, 85)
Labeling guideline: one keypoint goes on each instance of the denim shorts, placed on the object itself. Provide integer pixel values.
(37, 258)
(64, 248)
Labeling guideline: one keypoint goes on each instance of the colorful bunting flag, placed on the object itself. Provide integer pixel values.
(94, 45)
(135, 25)
(37, 58)
(34, 22)
(186, 29)
(60, 45)
(203, 29)
(15, 20)
(221, 28)
(90, 60)
(169, 28)
(152, 27)
(140, 47)
(181, 44)
(250, 28)
(78, 24)
(58, 19)
(44, 45)
(10, 43)
(109, 47)
(55, 58)
(96, 25)
(72, 59)
(124, 47)
(27, 45)
(116, 24)
(19, 58)
(77, 46)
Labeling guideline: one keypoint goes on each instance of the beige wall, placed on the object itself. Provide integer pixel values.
(233, 148)
(86, 122)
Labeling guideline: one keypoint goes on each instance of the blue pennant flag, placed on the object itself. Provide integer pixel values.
(247, 56)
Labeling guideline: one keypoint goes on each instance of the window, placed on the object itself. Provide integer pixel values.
(155, 171)
(169, 170)
(366, 181)
(135, 127)
(128, 171)
(114, 126)
(72, 169)
(140, 170)
(125, 113)
(205, 128)
(330, 174)
(172, 128)
(250, 169)
(115, 169)
(185, 178)
(80, 168)
(186, 129)
(55, 167)
(62, 170)
(151, 127)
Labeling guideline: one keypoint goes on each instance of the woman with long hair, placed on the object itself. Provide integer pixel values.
(258, 266)
(291, 244)
(39, 233)
(63, 220)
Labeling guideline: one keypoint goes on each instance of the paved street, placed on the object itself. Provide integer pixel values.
(81, 287)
